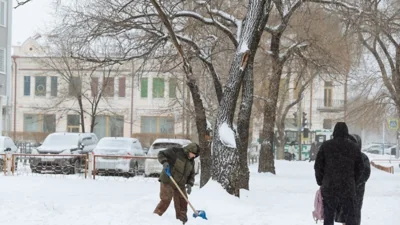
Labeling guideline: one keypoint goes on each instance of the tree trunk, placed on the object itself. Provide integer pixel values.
(280, 144)
(82, 114)
(201, 125)
(226, 163)
(266, 161)
(244, 123)
(93, 121)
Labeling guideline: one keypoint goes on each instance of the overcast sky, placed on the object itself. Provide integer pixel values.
(30, 19)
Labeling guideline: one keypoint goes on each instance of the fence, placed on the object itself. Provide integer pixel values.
(86, 166)
(389, 169)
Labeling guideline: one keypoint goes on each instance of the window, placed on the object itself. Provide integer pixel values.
(73, 123)
(31, 123)
(155, 124)
(27, 85)
(143, 87)
(158, 87)
(327, 124)
(49, 123)
(2, 60)
(53, 87)
(3, 13)
(328, 94)
(109, 126)
(40, 86)
(75, 86)
(40, 123)
(121, 87)
(172, 88)
(108, 86)
(94, 85)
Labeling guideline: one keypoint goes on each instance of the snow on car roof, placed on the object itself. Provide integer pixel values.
(182, 142)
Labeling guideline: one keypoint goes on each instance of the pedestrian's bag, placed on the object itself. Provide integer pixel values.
(318, 213)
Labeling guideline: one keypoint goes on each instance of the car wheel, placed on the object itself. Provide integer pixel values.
(133, 169)
(1, 166)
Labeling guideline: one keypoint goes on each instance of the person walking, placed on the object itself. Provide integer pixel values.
(313, 151)
(360, 189)
(177, 162)
(338, 167)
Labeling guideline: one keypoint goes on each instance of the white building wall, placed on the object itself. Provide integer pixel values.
(29, 65)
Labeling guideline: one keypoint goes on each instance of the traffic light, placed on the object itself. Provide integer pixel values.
(295, 118)
(305, 121)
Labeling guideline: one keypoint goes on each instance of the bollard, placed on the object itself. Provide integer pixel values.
(9, 163)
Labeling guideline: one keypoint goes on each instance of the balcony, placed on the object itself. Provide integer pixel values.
(333, 105)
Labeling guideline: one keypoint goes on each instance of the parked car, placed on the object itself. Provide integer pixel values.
(59, 144)
(6, 145)
(152, 166)
(119, 146)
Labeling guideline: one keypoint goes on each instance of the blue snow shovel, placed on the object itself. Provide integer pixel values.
(196, 213)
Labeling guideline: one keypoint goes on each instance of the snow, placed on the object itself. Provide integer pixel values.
(283, 199)
(243, 48)
(227, 136)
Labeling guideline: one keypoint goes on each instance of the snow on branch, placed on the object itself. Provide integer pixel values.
(337, 3)
(227, 136)
(288, 52)
(207, 21)
(224, 15)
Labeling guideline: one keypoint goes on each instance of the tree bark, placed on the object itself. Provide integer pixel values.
(280, 145)
(244, 123)
(82, 113)
(266, 161)
(226, 163)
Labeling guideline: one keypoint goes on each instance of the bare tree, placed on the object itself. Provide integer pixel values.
(84, 86)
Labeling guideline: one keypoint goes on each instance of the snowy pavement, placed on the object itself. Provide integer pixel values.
(283, 199)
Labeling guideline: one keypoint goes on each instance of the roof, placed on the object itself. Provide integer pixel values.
(120, 138)
(182, 142)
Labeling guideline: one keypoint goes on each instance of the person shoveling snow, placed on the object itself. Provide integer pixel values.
(178, 172)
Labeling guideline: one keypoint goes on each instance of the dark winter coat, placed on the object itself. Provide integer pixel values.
(338, 166)
(360, 189)
(182, 168)
(313, 151)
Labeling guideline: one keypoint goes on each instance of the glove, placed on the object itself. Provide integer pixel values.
(188, 189)
(167, 169)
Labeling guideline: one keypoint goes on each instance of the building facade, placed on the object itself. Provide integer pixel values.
(5, 62)
(144, 105)
(322, 105)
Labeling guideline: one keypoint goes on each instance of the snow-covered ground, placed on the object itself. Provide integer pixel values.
(283, 199)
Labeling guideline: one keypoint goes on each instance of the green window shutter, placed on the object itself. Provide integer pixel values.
(143, 89)
(172, 88)
(158, 87)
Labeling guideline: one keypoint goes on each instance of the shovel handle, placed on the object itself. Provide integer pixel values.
(183, 195)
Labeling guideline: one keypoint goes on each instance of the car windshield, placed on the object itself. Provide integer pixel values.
(61, 140)
(114, 143)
